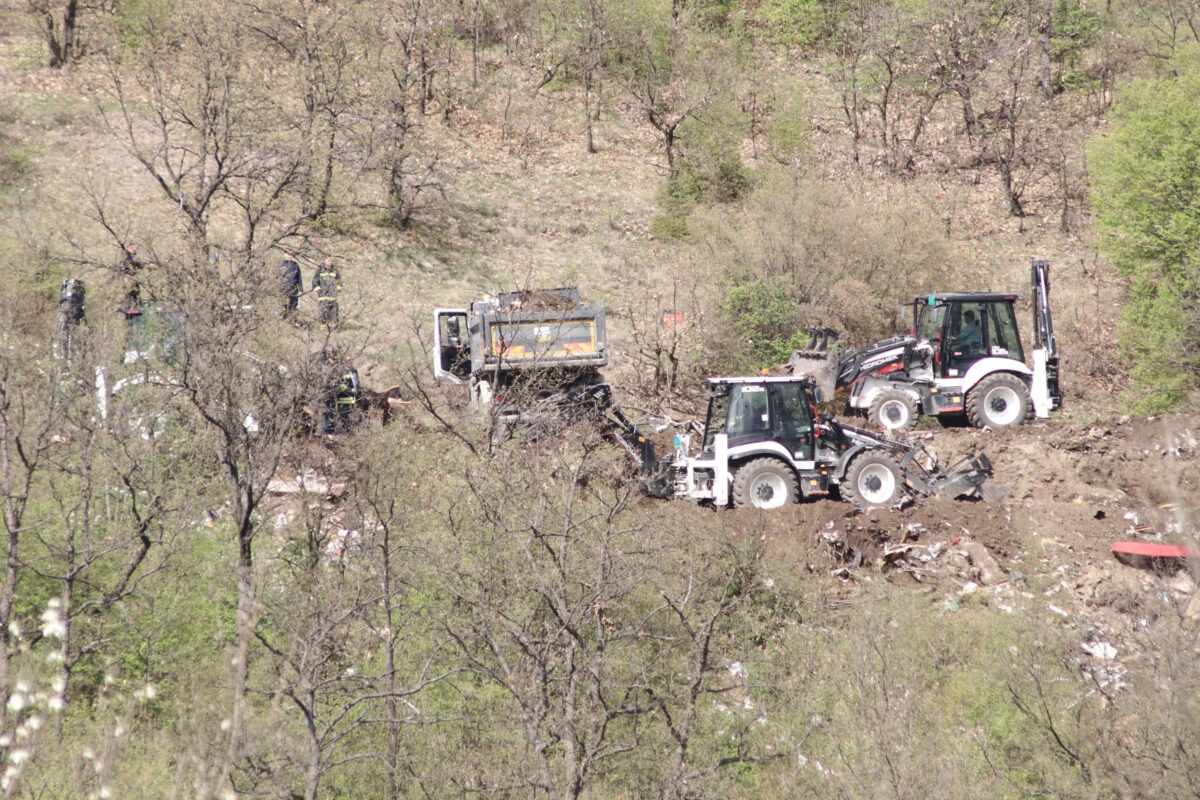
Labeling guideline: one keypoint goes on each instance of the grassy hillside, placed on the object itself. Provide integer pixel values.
(204, 598)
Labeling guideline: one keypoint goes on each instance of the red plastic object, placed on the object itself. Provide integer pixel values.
(1154, 550)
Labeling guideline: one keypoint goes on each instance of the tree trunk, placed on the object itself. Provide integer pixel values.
(393, 711)
(587, 110)
(1015, 208)
(7, 595)
(1045, 34)
(245, 622)
(312, 778)
(63, 51)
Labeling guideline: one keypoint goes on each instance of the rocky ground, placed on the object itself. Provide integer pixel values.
(1070, 492)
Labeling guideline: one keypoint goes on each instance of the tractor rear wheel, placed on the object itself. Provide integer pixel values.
(999, 401)
(764, 483)
(873, 480)
(893, 410)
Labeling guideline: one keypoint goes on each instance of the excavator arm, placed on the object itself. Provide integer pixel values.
(1046, 392)
(624, 432)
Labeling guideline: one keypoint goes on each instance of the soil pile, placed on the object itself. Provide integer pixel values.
(1071, 491)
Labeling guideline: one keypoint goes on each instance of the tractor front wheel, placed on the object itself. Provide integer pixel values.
(764, 483)
(873, 480)
(893, 410)
(999, 401)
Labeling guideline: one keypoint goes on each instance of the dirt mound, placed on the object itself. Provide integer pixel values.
(1070, 491)
(538, 300)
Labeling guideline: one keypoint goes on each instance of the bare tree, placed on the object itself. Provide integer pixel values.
(1165, 26)
(33, 401)
(60, 22)
(674, 72)
(190, 106)
(405, 71)
(241, 406)
(360, 593)
(704, 606)
(110, 486)
(606, 635)
(545, 621)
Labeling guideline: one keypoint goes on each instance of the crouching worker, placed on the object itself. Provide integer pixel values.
(340, 411)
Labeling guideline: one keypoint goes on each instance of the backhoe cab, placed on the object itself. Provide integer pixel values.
(765, 446)
(963, 356)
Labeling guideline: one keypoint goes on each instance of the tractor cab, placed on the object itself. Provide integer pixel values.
(753, 411)
(966, 327)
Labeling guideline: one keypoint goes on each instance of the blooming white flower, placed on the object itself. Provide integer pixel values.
(52, 621)
(55, 703)
(16, 702)
(18, 756)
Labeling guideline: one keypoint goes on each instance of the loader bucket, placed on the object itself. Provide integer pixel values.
(821, 367)
(970, 477)
(818, 360)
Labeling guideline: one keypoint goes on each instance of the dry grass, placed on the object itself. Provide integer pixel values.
(527, 206)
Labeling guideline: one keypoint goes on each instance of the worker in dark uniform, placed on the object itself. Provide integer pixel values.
(131, 269)
(349, 392)
(341, 401)
(131, 295)
(291, 284)
(327, 282)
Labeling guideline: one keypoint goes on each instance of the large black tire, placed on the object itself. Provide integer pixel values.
(893, 410)
(873, 480)
(1000, 400)
(764, 483)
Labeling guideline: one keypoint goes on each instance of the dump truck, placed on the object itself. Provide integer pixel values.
(963, 357)
(517, 350)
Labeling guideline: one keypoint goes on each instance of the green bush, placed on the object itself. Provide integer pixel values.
(767, 319)
(799, 23)
(1146, 195)
(800, 254)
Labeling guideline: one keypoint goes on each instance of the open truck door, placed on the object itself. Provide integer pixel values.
(451, 345)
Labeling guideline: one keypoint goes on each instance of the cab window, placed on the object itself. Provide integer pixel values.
(718, 411)
(929, 321)
(1002, 332)
(793, 416)
(749, 411)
